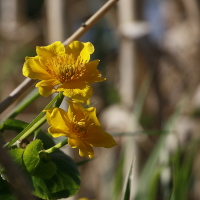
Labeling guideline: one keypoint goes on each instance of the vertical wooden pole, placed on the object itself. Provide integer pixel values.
(127, 70)
(8, 16)
(127, 75)
(55, 21)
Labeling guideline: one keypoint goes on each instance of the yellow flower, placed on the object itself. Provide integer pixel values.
(67, 70)
(84, 199)
(81, 126)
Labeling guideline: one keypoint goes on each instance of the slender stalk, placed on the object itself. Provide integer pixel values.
(33, 96)
(34, 121)
(39, 123)
(16, 93)
(91, 21)
(59, 100)
(56, 147)
(33, 128)
(79, 33)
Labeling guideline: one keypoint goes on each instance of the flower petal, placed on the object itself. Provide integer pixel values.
(87, 50)
(48, 114)
(75, 110)
(56, 132)
(76, 90)
(84, 149)
(34, 69)
(90, 114)
(59, 118)
(46, 87)
(46, 52)
(79, 48)
(92, 75)
(100, 138)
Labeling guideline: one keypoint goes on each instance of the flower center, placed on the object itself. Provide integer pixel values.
(79, 128)
(65, 67)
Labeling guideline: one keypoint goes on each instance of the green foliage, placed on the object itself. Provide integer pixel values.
(182, 162)
(64, 183)
(61, 183)
(37, 122)
(13, 124)
(153, 187)
(38, 164)
(46, 139)
(16, 155)
(118, 177)
(127, 185)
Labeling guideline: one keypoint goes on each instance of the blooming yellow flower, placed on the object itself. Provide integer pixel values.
(84, 199)
(81, 126)
(67, 70)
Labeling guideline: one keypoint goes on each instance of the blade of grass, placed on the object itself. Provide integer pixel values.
(182, 170)
(154, 184)
(137, 111)
(143, 185)
(117, 187)
(127, 187)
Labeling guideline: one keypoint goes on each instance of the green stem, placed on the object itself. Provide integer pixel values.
(60, 99)
(38, 121)
(56, 147)
(33, 128)
(25, 103)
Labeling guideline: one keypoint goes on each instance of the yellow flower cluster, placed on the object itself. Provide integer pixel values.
(64, 69)
(84, 199)
(69, 70)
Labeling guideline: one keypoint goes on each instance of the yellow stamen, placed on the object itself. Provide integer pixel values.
(65, 67)
(79, 128)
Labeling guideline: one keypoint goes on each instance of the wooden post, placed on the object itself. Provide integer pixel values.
(127, 76)
(55, 21)
(127, 70)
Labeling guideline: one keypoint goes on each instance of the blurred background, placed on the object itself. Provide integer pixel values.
(149, 51)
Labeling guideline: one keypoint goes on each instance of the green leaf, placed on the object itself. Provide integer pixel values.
(37, 164)
(64, 183)
(46, 138)
(13, 124)
(16, 155)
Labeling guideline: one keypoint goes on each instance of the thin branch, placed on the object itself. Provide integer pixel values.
(90, 22)
(79, 33)
(16, 93)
